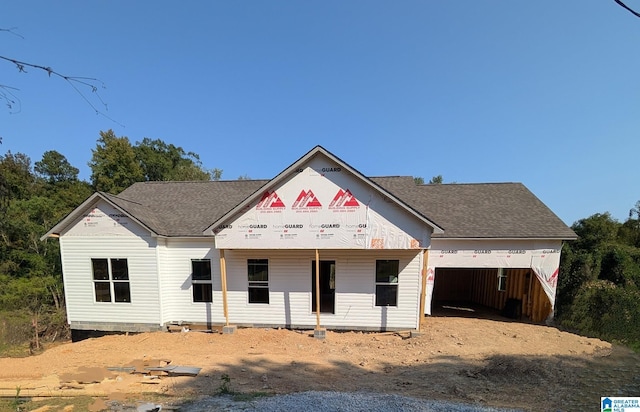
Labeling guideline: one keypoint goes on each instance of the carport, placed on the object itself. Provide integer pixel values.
(491, 288)
(515, 277)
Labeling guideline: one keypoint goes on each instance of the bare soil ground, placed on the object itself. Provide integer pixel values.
(481, 361)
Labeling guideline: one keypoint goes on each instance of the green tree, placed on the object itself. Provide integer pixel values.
(18, 184)
(418, 180)
(630, 230)
(55, 168)
(436, 180)
(161, 161)
(114, 166)
(17, 177)
(216, 174)
(598, 287)
(620, 265)
(595, 231)
(61, 185)
(30, 270)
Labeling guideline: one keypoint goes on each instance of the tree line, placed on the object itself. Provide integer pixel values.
(598, 290)
(599, 282)
(34, 197)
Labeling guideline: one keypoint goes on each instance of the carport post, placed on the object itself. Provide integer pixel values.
(423, 293)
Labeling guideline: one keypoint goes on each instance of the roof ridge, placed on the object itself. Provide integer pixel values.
(109, 195)
(200, 181)
(472, 184)
(405, 176)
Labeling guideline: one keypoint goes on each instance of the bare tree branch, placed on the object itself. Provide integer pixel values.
(11, 31)
(12, 101)
(620, 3)
(79, 84)
(75, 82)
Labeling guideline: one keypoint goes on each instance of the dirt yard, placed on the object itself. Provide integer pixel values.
(488, 362)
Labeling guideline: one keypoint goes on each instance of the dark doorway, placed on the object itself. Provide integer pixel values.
(327, 286)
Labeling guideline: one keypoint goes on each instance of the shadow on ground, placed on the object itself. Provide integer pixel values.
(536, 383)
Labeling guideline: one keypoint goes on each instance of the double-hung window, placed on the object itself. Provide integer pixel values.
(258, 275)
(111, 280)
(201, 280)
(387, 282)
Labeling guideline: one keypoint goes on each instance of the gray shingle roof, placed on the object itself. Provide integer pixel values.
(484, 210)
(186, 208)
(480, 210)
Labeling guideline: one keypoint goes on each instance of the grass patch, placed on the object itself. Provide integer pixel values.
(225, 389)
(17, 333)
(14, 350)
(250, 396)
(80, 403)
(225, 381)
(77, 404)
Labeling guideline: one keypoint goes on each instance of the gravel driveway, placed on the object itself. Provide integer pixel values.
(331, 401)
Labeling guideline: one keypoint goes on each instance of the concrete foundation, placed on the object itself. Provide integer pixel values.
(320, 333)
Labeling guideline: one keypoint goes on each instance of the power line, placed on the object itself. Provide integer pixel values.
(635, 13)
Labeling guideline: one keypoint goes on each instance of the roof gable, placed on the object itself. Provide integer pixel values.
(321, 204)
(321, 162)
(99, 213)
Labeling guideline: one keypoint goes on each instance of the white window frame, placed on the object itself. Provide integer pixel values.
(257, 284)
(115, 282)
(206, 281)
(392, 282)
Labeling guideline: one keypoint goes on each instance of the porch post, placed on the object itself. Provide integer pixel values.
(318, 333)
(223, 279)
(317, 290)
(423, 293)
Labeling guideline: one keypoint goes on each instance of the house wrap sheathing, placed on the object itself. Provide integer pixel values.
(319, 245)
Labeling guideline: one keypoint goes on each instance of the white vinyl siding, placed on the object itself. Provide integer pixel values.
(77, 253)
(175, 273)
(161, 284)
(289, 285)
(290, 290)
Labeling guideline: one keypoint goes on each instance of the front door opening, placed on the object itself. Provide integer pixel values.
(327, 286)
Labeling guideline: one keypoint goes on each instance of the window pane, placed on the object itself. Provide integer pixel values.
(258, 270)
(502, 283)
(387, 271)
(121, 291)
(502, 279)
(202, 292)
(119, 269)
(103, 292)
(201, 269)
(100, 269)
(258, 295)
(386, 295)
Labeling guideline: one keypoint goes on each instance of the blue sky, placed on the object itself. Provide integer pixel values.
(546, 93)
